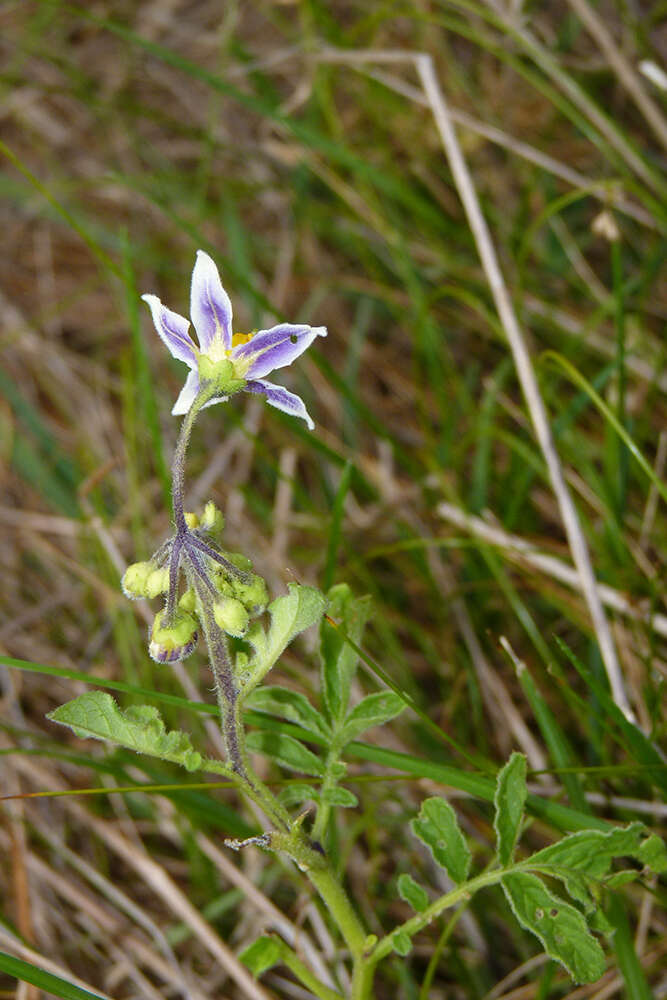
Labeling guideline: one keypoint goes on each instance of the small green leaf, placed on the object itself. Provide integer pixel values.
(95, 714)
(509, 801)
(291, 705)
(560, 927)
(290, 615)
(372, 711)
(339, 659)
(438, 828)
(297, 792)
(286, 751)
(412, 892)
(262, 955)
(401, 943)
(339, 797)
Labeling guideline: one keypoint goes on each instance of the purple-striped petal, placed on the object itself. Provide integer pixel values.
(277, 347)
(188, 393)
(283, 400)
(173, 330)
(210, 308)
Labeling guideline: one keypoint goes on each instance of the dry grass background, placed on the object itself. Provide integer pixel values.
(136, 133)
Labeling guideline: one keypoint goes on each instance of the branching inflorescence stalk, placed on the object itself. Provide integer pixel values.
(287, 835)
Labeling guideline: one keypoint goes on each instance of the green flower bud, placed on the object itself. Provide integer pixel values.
(225, 581)
(134, 579)
(157, 582)
(231, 616)
(252, 595)
(191, 520)
(188, 601)
(212, 519)
(170, 643)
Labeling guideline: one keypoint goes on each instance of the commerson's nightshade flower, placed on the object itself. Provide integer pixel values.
(234, 361)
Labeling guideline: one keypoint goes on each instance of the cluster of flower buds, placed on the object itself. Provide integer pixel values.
(242, 596)
(237, 594)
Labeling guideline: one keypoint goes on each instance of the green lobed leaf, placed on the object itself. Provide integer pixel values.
(412, 892)
(297, 792)
(286, 751)
(374, 710)
(140, 728)
(438, 828)
(290, 614)
(291, 705)
(509, 801)
(261, 955)
(342, 797)
(653, 854)
(582, 860)
(560, 927)
(401, 943)
(339, 659)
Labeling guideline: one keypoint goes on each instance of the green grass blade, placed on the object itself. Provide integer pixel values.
(336, 528)
(622, 942)
(57, 987)
(631, 737)
(577, 378)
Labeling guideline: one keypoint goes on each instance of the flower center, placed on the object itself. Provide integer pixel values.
(241, 338)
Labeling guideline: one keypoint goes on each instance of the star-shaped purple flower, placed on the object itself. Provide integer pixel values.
(244, 358)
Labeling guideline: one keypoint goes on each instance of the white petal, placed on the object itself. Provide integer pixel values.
(187, 396)
(173, 330)
(210, 307)
(283, 400)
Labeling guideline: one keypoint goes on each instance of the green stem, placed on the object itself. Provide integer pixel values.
(287, 835)
(328, 784)
(206, 392)
(362, 980)
(434, 960)
(421, 920)
(341, 909)
(619, 313)
(303, 973)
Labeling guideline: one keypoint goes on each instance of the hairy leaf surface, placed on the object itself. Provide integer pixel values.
(139, 727)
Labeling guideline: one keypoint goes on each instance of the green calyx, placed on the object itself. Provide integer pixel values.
(251, 593)
(221, 374)
(188, 600)
(174, 641)
(231, 616)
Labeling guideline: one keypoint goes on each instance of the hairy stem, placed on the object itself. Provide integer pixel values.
(206, 392)
(288, 835)
(341, 909)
